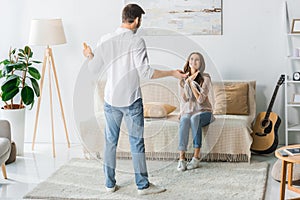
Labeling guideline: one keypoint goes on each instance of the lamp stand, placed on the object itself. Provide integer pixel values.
(48, 58)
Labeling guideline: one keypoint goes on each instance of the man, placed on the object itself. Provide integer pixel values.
(123, 56)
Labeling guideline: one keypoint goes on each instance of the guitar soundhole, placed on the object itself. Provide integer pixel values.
(265, 123)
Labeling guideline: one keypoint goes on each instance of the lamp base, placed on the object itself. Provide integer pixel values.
(48, 58)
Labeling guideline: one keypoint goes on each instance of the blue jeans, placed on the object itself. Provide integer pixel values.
(195, 122)
(134, 119)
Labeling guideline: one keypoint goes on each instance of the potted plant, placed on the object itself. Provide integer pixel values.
(19, 88)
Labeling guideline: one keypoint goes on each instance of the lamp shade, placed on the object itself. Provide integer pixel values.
(47, 32)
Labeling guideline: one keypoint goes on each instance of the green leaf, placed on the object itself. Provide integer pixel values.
(7, 69)
(36, 61)
(31, 105)
(11, 77)
(35, 86)
(27, 95)
(19, 66)
(34, 73)
(11, 81)
(21, 55)
(5, 62)
(1, 76)
(8, 87)
(22, 51)
(6, 96)
(27, 50)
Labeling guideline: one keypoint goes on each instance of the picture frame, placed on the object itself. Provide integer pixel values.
(295, 26)
(296, 98)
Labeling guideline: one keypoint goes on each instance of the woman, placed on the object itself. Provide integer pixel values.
(195, 108)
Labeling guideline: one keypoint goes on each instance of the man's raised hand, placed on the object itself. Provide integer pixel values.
(87, 51)
(179, 74)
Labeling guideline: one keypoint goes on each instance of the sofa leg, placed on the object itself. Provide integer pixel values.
(4, 171)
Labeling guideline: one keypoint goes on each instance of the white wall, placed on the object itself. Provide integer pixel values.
(252, 47)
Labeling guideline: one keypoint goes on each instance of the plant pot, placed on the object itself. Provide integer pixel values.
(16, 118)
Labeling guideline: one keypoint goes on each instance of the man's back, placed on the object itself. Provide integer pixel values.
(124, 60)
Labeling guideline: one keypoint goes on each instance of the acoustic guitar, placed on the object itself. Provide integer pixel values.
(265, 129)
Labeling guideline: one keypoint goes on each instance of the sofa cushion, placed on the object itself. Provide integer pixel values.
(231, 98)
(157, 109)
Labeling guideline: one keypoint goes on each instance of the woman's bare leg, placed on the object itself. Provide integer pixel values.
(197, 153)
(182, 155)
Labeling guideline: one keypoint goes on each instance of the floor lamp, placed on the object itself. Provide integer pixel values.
(48, 32)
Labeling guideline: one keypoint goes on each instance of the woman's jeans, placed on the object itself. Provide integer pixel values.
(134, 119)
(195, 122)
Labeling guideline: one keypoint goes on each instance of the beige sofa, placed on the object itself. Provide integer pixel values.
(226, 139)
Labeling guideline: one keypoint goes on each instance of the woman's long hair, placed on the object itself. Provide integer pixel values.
(187, 69)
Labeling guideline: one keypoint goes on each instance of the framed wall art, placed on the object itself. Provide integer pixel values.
(188, 17)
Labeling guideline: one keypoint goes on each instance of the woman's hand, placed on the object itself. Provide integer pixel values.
(192, 77)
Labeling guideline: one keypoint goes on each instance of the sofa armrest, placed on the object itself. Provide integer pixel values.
(5, 129)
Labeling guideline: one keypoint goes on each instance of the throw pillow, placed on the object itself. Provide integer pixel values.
(157, 109)
(231, 98)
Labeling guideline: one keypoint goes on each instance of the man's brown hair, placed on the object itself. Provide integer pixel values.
(130, 12)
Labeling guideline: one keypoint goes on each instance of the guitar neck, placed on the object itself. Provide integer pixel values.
(272, 102)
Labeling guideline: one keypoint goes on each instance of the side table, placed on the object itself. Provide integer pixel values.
(287, 162)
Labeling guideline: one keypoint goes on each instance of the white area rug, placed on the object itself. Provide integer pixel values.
(84, 179)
